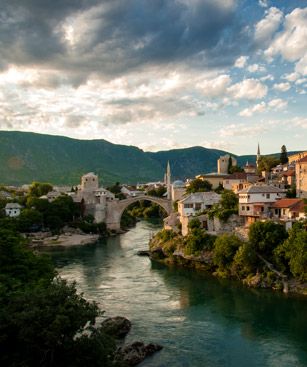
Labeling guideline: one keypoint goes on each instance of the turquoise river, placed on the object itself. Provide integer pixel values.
(200, 321)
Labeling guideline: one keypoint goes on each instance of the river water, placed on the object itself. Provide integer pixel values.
(200, 321)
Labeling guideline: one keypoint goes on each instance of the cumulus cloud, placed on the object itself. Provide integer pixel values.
(247, 112)
(291, 42)
(87, 36)
(214, 87)
(274, 104)
(301, 66)
(266, 27)
(254, 68)
(282, 87)
(241, 62)
(248, 89)
(277, 104)
(292, 77)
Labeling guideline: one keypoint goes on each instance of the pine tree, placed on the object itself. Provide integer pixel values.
(284, 155)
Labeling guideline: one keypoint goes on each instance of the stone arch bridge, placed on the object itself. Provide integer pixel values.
(116, 208)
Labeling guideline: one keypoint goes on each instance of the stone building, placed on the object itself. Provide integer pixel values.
(94, 198)
(301, 177)
(224, 162)
(12, 210)
(255, 201)
(178, 190)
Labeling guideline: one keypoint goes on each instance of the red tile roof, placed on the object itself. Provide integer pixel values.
(237, 176)
(293, 204)
(303, 160)
(289, 173)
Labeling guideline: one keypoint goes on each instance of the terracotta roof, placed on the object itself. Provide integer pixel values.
(237, 176)
(289, 203)
(289, 173)
(303, 160)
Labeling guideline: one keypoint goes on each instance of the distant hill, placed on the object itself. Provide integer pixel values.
(27, 157)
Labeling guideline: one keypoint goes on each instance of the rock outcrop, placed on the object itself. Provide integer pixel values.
(135, 353)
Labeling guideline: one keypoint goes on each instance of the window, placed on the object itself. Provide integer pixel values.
(243, 208)
(205, 225)
(267, 196)
(188, 206)
(197, 206)
(247, 208)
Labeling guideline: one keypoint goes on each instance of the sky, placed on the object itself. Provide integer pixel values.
(157, 74)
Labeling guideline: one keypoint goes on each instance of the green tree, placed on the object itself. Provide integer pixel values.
(159, 191)
(283, 155)
(229, 200)
(199, 185)
(225, 248)
(266, 163)
(38, 189)
(294, 251)
(30, 220)
(43, 320)
(265, 237)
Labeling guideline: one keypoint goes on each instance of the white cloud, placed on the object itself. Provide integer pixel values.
(301, 81)
(291, 77)
(277, 104)
(249, 89)
(214, 87)
(274, 104)
(301, 66)
(255, 68)
(282, 87)
(247, 112)
(291, 42)
(263, 3)
(266, 27)
(267, 77)
(241, 62)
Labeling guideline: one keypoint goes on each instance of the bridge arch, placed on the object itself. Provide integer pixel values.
(116, 208)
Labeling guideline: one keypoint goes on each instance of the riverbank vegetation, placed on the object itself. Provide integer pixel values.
(40, 214)
(270, 258)
(43, 320)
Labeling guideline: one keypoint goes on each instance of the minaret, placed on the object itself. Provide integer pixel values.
(258, 156)
(168, 181)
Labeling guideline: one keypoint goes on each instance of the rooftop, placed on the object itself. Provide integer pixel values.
(296, 205)
(259, 189)
(13, 206)
(201, 197)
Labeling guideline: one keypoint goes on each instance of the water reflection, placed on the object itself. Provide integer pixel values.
(201, 321)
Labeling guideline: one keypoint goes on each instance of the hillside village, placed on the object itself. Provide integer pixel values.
(278, 195)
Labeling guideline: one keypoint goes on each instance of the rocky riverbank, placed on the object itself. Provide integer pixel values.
(127, 354)
(173, 251)
(70, 237)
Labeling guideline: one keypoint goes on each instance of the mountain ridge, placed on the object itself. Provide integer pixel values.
(27, 157)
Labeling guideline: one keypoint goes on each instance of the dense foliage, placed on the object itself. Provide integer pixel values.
(227, 206)
(199, 185)
(266, 163)
(267, 258)
(43, 321)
